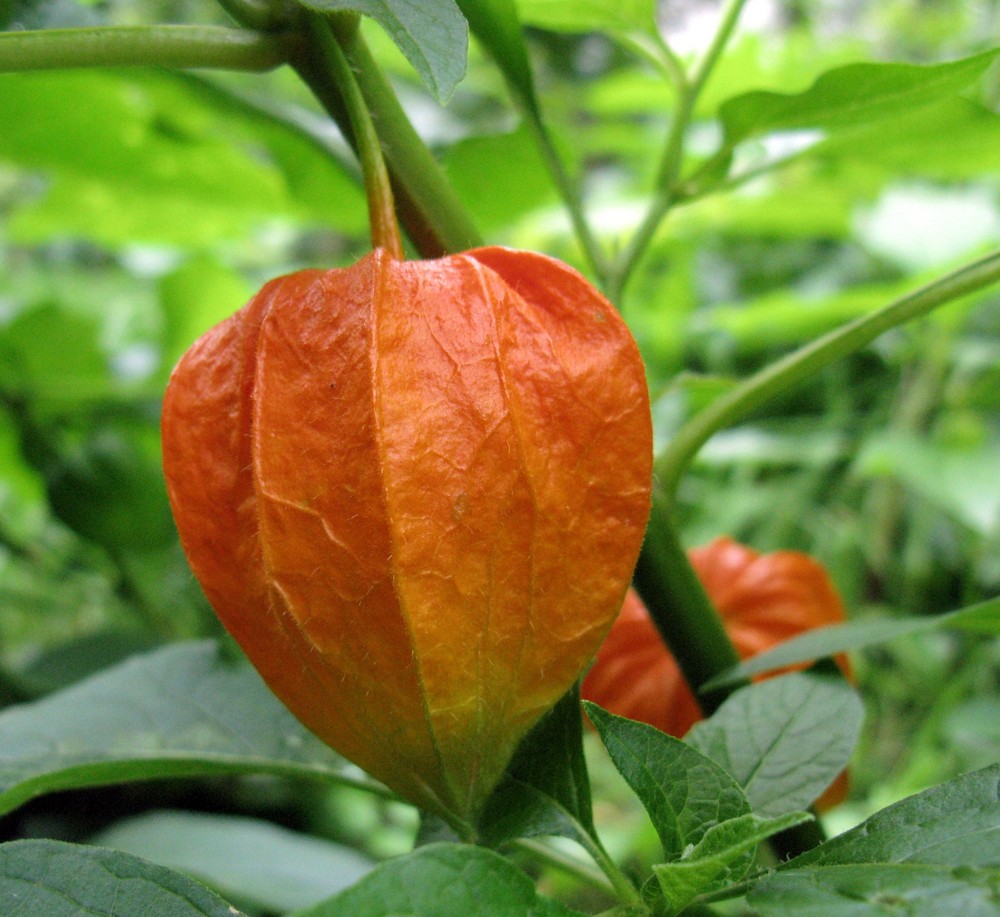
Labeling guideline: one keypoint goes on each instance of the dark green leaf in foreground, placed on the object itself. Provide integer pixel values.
(898, 890)
(934, 853)
(784, 740)
(442, 880)
(178, 711)
(983, 618)
(684, 792)
(851, 96)
(52, 879)
(433, 35)
(546, 790)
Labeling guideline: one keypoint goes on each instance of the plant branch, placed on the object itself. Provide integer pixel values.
(785, 373)
(688, 89)
(174, 46)
(381, 207)
(262, 15)
(566, 862)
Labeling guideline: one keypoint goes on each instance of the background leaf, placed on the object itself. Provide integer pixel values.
(67, 880)
(839, 638)
(433, 35)
(253, 863)
(177, 711)
(784, 740)
(851, 96)
(442, 880)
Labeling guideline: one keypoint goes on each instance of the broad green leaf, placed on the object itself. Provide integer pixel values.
(590, 15)
(879, 890)
(684, 792)
(433, 35)
(959, 480)
(442, 880)
(951, 139)
(784, 740)
(839, 638)
(931, 854)
(196, 296)
(160, 157)
(178, 711)
(253, 863)
(955, 824)
(500, 177)
(849, 96)
(719, 858)
(546, 790)
(56, 667)
(55, 879)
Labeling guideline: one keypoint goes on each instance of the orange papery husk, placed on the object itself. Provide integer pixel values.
(763, 600)
(414, 493)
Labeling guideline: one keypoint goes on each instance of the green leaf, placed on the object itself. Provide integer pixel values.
(178, 711)
(433, 34)
(54, 879)
(850, 96)
(784, 740)
(684, 792)
(590, 15)
(251, 862)
(900, 890)
(442, 880)
(954, 824)
(839, 638)
(719, 858)
(930, 854)
(164, 158)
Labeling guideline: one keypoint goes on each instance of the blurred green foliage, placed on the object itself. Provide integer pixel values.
(138, 208)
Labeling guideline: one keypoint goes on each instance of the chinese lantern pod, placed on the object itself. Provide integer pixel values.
(763, 600)
(414, 493)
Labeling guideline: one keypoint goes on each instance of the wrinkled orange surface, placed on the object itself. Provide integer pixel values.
(763, 599)
(414, 493)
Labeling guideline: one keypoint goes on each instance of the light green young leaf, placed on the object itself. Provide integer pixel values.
(931, 854)
(442, 880)
(850, 96)
(719, 858)
(253, 863)
(178, 711)
(433, 34)
(784, 740)
(590, 15)
(50, 878)
(684, 792)
(982, 618)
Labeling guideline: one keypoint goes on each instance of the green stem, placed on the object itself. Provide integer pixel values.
(378, 191)
(688, 90)
(262, 15)
(428, 207)
(569, 864)
(794, 368)
(174, 46)
(623, 888)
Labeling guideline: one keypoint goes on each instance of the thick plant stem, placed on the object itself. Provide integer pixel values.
(378, 191)
(680, 607)
(785, 373)
(433, 216)
(174, 46)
